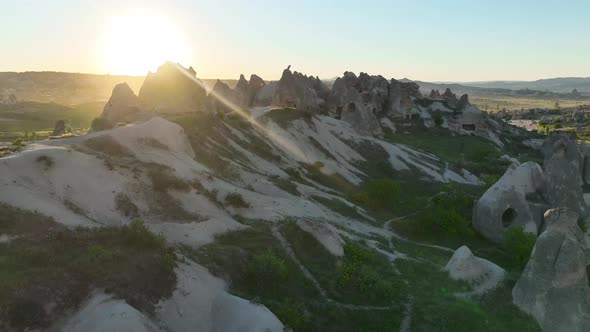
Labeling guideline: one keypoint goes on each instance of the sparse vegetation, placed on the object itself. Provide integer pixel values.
(285, 116)
(334, 181)
(378, 194)
(100, 124)
(236, 200)
(107, 145)
(46, 161)
(124, 205)
(519, 244)
(154, 143)
(33, 266)
(285, 184)
(163, 180)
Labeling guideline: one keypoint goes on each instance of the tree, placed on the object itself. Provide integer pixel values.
(556, 106)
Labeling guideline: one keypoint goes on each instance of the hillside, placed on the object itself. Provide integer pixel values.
(365, 206)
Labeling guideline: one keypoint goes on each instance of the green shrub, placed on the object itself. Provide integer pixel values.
(266, 269)
(450, 212)
(378, 194)
(100, 124)
(334, 180)
(438, 119)
(162, 180)
(293, 315)
(236, 200)
(582, 224)
(519, 245)
(362, 275)
(138, 235)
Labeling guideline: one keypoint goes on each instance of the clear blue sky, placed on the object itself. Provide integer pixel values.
(425, 40)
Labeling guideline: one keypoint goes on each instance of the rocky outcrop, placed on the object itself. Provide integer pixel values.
(554, 285)
(299, 91)
(481, 274)
(515, 200)
(254, 86)
(362, 120)
(61, 127)
(221, 92)
(103, 313)
(450, 99)
(123, 106)
(345, 102)
(241, 94)
(563, 167)
(222, 98)
(265, 94)
(173, 89)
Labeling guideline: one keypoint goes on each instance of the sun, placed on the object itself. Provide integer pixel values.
(137, 43)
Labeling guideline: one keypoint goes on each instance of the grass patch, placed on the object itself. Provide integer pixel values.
(377, 164)
(362, 276)
(519, 245)
(236, 200)
(256, 267)
(130, 262)
(285, 184)
(334, 181)
(35, 116)
(107, 145)
(163, 180)
(285, 116)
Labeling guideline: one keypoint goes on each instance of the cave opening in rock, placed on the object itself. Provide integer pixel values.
(508, 217)
(351, 107)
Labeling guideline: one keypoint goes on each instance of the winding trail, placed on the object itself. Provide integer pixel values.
(285, 244)
(387, 227)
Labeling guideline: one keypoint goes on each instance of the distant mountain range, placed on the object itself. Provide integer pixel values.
(496, 89)
(561, 84)
(75, 88)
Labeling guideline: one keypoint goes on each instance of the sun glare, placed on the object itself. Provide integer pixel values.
(137, 43)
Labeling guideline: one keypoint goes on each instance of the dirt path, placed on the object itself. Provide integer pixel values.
(406, 323)
(387, 227)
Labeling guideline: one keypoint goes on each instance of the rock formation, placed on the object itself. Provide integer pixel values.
(435, 94)
(554, 285)
(61, 127)
(297, 90)
(265, 94)
(123, 106)
(220, 91)
(254, 86)
(173, 89)
(450, 99)
(563, 167)
(515, 200)
(241, 93)
(359, 108)
(480, 273)
(362, 120)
